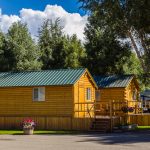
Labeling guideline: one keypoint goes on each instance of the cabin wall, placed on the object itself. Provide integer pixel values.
(55, 113)
(18, 101)
(110, 94)
(130, 89)
(80, 92)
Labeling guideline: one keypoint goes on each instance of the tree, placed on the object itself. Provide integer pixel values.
(127, 19)
(133, 66)
(1, 42)
(105, 54)
(59, 50)
(3, 63)
(50, 40)
(75, 52)
(20, 50)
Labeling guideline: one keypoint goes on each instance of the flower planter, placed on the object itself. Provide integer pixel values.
(28, 126)
(27, 131)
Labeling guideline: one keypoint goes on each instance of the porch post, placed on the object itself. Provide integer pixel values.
(111, 119)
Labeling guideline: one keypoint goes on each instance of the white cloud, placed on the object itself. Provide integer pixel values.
(73, 23)
(6, 21)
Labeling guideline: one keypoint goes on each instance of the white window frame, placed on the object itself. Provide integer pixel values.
(88, 93)
(41, 94)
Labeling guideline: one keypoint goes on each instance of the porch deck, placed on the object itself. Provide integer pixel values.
(107, 109)
(112, 110)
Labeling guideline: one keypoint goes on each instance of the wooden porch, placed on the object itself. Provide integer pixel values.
(107, 114)
(107, 109)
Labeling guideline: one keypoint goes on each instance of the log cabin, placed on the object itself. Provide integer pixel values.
(120, 89)
(62, 99)
(48, 97)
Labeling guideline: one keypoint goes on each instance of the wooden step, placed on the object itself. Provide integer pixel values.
(101, 121)
(100, 125)
(100, 130)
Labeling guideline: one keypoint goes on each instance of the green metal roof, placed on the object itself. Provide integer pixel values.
(113, 81)
(146, 94)
(41, 78)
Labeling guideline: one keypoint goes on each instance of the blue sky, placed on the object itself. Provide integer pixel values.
(14, 6)
(34, 12)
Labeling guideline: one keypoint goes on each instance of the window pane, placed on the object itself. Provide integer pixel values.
(36, 95)
(88, 94)
(134, 95)
(42, 94)
(97, 95)
(39, 94)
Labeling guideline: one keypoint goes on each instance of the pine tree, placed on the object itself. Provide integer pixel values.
(59, 50)
(50, 39)
(20, 50)
(75, 53)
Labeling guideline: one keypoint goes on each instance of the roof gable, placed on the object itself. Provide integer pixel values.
(41, 78)
(113, 81)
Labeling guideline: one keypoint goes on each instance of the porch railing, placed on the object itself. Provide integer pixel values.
(105, 108)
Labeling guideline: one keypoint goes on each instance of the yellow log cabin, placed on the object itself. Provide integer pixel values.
(119, 90)
(49, 97)
(64, 99)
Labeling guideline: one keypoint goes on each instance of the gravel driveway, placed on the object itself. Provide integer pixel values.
(114, 141)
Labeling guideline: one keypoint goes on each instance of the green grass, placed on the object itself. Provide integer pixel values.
(37, 132)
(19, 132)
(143, 127)
(10, 132)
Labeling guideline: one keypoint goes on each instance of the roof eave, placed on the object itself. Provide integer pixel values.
(92, 78)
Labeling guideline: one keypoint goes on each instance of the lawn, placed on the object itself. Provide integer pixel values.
(17, 132)
(143, 128)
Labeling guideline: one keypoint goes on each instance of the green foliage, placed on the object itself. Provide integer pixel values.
(105, 54)
(59, 50)
(75, 52)
(132, 65)
(3, 60)
(20, 51)
(50, 35)
(2, 38)
(126, 19)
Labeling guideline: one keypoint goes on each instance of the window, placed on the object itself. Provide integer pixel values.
(134, 95)
(39, 94)
(97, 93)
(88, 94)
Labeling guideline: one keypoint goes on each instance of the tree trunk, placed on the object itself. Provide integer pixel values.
(137, 51)
(143, 42)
